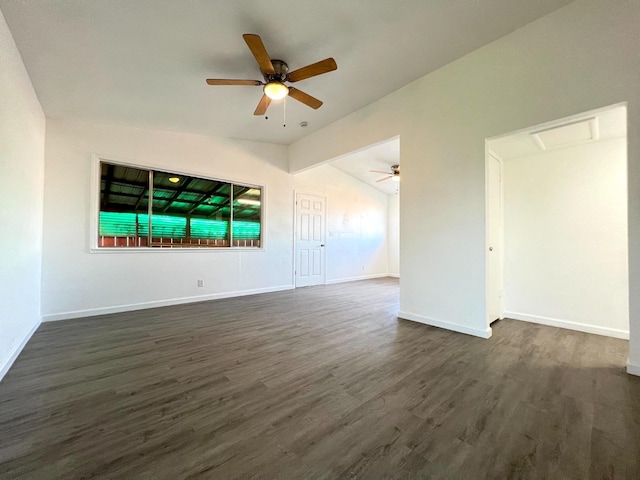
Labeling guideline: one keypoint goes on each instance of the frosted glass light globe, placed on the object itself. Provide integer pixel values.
(276, 90)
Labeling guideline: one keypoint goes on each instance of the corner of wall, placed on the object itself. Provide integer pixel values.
(22, 128)
(13, 354)
(456, 327)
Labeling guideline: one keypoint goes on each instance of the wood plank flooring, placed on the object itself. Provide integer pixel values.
(319, 383)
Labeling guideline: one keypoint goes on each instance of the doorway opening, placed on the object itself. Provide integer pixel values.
(556, 224)
(378, 166)
(354, 233)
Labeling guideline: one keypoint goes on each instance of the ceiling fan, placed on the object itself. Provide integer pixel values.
(394, 174)
(275, 74)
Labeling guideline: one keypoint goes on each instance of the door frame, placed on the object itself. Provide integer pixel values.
(295, 234)
(500, 234)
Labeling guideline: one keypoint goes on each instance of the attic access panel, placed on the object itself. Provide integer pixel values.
(568, 134)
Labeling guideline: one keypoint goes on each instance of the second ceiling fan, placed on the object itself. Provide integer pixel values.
(275, 74)
(394, 174)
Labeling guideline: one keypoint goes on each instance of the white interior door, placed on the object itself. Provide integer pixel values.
(310, 226)
(494, 239)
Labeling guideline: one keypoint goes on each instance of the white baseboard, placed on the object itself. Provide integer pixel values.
(355, 279)
(633, 369)
(394, 275)
(13, 354)
(159, 303)
(446, 325)
(580, 327)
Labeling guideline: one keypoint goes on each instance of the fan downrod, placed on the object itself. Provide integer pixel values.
(280, 75)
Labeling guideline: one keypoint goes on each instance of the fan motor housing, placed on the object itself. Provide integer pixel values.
(281, 70)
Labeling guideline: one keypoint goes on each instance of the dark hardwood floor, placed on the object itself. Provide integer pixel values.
(320, 382)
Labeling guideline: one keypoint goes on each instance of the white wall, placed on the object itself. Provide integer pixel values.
(579, 58)
(22, 135)
(565, 233)
(393, 235)
(356, 241)
(77, 282)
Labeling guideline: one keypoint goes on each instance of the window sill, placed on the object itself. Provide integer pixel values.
(153, 250)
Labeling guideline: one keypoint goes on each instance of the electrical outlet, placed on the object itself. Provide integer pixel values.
(200, 283)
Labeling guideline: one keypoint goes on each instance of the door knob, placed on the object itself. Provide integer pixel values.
(491, 249)
(322, 245)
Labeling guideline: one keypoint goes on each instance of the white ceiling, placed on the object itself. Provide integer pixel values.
(610, 123)
(377, 157)
(144, 63)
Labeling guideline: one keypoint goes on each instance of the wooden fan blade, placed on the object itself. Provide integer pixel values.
(383, 179)
(261, 109)
(318, 68)
(254, 42)
(305, 98)
(221, 81)
(379, 171)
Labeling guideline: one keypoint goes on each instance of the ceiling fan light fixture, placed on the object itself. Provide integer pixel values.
(276, 90)
(396, 178)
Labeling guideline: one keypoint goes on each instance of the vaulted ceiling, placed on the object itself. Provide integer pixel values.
(143, 63)
(378, 157)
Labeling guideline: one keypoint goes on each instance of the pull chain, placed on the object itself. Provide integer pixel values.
(284, 112)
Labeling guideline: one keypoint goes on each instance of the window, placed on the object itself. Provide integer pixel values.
(184, 211)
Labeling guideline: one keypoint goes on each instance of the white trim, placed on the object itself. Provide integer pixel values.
(500, 237)
(393, 275)
(13, 355)
(294, 252)
(580, 327)
(155, 250)
(633, 369)
(446, 325)
(94, 202)
(159, 303)
(360, 277)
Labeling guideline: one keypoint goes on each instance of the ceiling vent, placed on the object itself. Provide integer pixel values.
(567, 134)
